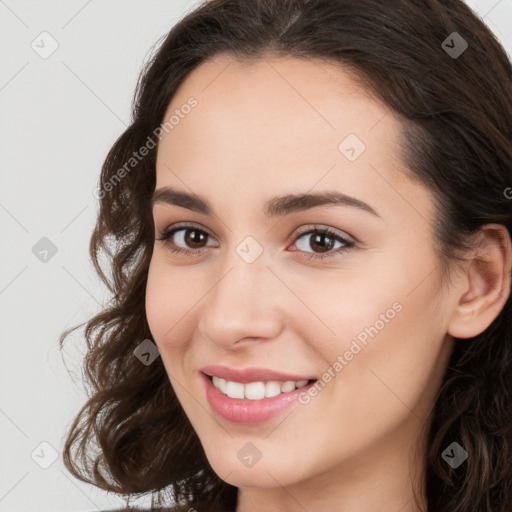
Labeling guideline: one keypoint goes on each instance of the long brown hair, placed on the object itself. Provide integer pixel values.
(455, 102)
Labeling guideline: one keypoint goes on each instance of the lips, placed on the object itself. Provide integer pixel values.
(246, 375)
(257, 407)
(249, 412)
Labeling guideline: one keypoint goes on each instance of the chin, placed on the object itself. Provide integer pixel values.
(261, 478)
(265, 473)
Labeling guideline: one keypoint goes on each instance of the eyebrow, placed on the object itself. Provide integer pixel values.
(276, 207)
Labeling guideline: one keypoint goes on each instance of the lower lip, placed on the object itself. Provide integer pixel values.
(249, 411)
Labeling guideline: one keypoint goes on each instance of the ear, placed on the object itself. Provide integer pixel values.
(486, 283)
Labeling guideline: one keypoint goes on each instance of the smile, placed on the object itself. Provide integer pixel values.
(246, 403)
(256, 390)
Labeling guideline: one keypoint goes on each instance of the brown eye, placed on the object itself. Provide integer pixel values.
(192, 241)
(322, 241)
(194, 238)
(185, 239)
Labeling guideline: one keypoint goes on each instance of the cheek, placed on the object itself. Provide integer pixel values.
(343, 304)
(386, 322)
(169, 302)
(394, 359)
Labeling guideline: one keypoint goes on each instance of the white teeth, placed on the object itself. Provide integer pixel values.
(255, 390)
(234, 389)
(219, 383)
(288, 386)
(272, 388)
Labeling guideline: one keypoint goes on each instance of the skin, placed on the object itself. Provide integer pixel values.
(273, 127)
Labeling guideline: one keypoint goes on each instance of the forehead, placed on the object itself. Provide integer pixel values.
(301, 100)
(282, 123)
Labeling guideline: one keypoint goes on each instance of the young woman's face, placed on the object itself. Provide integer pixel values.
(368, 321)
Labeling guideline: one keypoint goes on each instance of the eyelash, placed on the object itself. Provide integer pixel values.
(166, 235)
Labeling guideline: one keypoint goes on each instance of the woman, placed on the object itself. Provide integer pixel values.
(308, 227)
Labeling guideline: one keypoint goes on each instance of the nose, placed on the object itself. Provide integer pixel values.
(245, 305)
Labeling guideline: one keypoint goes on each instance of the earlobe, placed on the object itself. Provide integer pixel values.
(486, 285)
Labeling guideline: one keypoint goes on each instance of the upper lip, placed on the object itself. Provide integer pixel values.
(246, 375)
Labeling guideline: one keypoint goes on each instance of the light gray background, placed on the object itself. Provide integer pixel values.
(58, 118)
